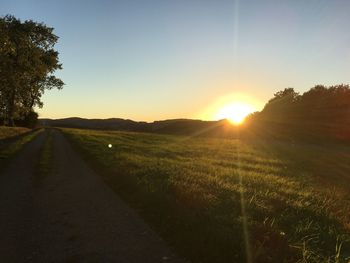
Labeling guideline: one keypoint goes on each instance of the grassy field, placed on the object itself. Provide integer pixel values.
(220, 200)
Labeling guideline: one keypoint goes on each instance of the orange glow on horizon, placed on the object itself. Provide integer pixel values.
(235, 112)
(233, 107)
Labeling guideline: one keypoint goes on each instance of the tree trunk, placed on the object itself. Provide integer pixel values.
(11, 110)
(11, 122)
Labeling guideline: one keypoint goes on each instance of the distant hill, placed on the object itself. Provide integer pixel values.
(175, 126)
(103, 124)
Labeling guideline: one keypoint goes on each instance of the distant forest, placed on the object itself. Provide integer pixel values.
(322, 112)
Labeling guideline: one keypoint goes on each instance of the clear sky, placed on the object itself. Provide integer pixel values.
(161, 59)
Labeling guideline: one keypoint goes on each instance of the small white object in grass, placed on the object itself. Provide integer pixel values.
(109, 145)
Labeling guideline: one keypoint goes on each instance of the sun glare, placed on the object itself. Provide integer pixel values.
(235, 112)
(234, 107)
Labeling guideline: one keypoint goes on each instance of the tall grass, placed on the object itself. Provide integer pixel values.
(220, 200)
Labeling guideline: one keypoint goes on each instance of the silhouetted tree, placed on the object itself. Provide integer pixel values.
(27, 64)
(282, 99)
(321, 112)
(30, 120)
(281, 107)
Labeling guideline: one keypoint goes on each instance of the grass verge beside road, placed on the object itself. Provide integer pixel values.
(8, 132)
(11, 148)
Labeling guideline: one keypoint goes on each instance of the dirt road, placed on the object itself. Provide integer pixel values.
(69, 215)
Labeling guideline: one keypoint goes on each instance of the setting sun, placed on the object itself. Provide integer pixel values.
(234, 107)
(235, 112)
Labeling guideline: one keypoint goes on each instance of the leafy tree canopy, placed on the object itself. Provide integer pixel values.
(27, 65)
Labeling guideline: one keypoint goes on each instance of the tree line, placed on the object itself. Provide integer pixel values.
(321, 112)
(28, 61)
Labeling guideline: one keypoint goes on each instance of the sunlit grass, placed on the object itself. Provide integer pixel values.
(200, 192)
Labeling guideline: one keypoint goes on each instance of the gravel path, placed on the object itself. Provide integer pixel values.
(70, 215)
